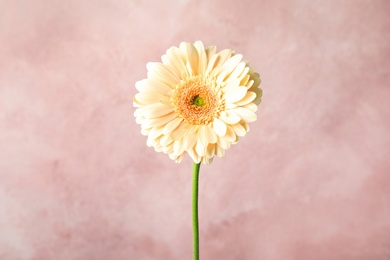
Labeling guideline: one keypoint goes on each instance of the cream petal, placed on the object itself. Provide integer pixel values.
(223, 143)
(161, 72)
(230, 105)
(178, 159)
(234, 93)
(195, 157)
(172, 125)
(161, 120)
(249, 97)
(210, 135)
(206, 160)
(246, 114)
(259, 94)
(193, 59)
(145, 132)
(210, 51)
(219, 151)
(190, 139)
(236, 72)
(180, 131)
(239, 130)
(152, 86)
(245, 125)
(213, 60)
(154, 110)
(166, 140)
(200, 148)
(202, 135)
(224, 55)
(183, 51)
(244, 80)
(174, 60)
(230, 135)
(156, 132)
(199, 46)
(243, 74)
(210, 151)
(251, 106)
(144, 99)
(219, 127)
(229, 117)
(178, 147)
(229, 66)
(249, 84)
(139, 119)
(202, 57)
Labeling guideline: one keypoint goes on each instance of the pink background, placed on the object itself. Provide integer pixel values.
(310, 181)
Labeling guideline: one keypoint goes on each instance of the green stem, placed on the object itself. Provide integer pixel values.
(195, 220)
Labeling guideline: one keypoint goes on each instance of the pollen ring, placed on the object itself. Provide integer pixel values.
(198, 100)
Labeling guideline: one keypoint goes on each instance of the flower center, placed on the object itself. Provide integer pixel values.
(198, 100)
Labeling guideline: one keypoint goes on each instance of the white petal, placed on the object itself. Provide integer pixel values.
(219, 127)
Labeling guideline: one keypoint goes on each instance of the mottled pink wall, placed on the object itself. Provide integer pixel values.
(310, 181)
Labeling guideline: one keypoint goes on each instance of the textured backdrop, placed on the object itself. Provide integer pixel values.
(310, 181)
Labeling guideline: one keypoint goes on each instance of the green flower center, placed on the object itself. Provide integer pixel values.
(198, 101)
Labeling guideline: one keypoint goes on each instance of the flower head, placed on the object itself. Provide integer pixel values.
(197, 101)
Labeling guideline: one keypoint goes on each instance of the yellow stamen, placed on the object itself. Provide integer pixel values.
(198, 100)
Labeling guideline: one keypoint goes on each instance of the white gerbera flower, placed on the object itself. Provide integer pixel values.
(197, 101)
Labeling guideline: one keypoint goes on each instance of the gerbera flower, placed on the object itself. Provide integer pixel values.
(197, 101)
